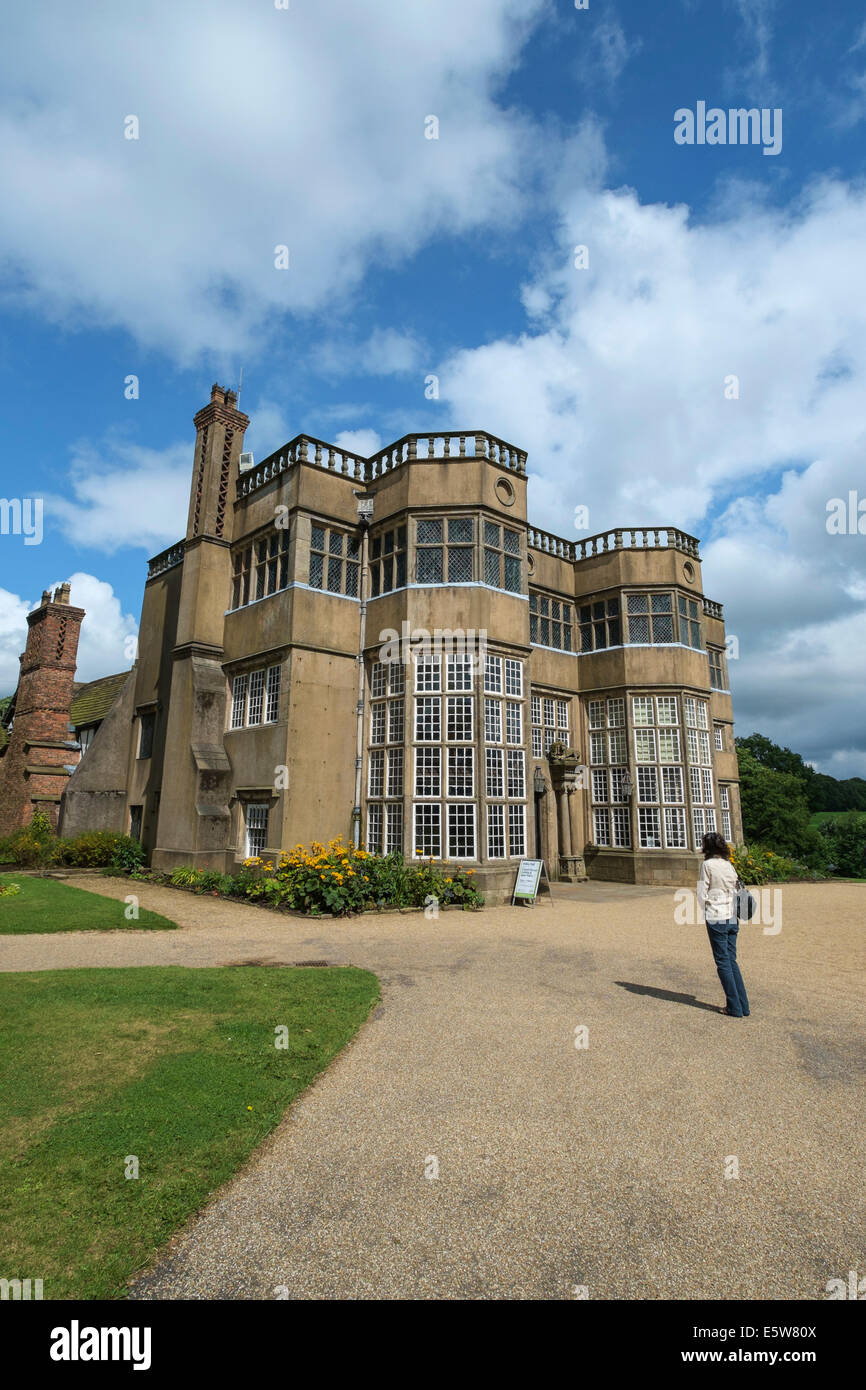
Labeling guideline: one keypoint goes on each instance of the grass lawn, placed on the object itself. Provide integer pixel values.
(819, 817)
(48, 904)
(174, 1066)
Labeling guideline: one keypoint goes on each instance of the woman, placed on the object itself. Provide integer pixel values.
(717, 896)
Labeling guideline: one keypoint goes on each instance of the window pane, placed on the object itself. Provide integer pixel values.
(511, 541)
(459, 564)
(461, 832)
(496, 832)
(430, 565)
(512, 574)
(428, 836)
(494, 780)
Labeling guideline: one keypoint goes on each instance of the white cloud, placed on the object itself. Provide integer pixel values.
(125, 495)
(102, 647)
(172, 236)
(13, 636)
(386, 352)
(364, 442)
(756, 17)
(618, 393)
(608, 51)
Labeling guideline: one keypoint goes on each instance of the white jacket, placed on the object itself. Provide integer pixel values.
(717, 888)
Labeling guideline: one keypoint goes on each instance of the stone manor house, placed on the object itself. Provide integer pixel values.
(595, 731)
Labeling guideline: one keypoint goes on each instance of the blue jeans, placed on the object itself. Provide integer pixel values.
(723, 940)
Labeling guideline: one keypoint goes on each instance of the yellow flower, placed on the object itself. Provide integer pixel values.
(449, 880)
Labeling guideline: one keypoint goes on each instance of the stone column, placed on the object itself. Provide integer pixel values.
(564, 824)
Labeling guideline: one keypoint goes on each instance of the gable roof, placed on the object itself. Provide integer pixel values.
(92, 701)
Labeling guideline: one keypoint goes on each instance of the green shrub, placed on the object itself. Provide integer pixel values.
(756, 864)
(183, 876)
(845, 840)
(34, 846)
(92, 849)
(128, 854)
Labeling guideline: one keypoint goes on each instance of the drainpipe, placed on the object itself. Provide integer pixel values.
(365, 516)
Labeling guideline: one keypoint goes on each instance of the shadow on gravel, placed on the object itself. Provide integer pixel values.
(668, 994)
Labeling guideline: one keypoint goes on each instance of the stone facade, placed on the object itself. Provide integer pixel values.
(593, 726)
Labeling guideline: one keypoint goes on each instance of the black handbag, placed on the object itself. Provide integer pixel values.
(747, 905)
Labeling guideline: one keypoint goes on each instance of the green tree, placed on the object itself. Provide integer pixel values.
(775, 809)
(845, 842)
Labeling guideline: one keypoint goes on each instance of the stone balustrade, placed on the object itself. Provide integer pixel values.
(306, 449)
(638, 538)
(620, 538)
(713, 610)
(452, 445)
(549, 544)
(166, 560)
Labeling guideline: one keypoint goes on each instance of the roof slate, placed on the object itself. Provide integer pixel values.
(92, 701)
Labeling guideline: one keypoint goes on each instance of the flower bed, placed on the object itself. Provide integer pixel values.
(756, 865)
(336, 880)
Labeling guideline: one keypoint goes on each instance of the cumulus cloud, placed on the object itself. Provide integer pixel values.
(106, 631)
(124, 495)
(708, 375)
(385, 352)
(173, 235)
(364, 442)
(13, 636)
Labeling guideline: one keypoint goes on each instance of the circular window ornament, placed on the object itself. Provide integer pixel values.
(530, 564)
(689, 571)
(504, 491)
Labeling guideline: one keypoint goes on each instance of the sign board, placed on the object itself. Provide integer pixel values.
(528, 879)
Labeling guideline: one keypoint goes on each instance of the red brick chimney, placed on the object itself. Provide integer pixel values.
(33, 771)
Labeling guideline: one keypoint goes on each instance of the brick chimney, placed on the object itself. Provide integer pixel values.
(33, 767)
(219, 438)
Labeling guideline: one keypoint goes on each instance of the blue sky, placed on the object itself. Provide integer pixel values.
(453, 256)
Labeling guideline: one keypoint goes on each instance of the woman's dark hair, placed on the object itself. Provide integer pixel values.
(714, 845)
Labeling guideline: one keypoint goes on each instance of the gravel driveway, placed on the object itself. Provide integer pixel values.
(560, 1168)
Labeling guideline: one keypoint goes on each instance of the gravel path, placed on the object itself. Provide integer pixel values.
(559, 1168)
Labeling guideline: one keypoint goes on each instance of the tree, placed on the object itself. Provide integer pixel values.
(845, 840)
(775, 809)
